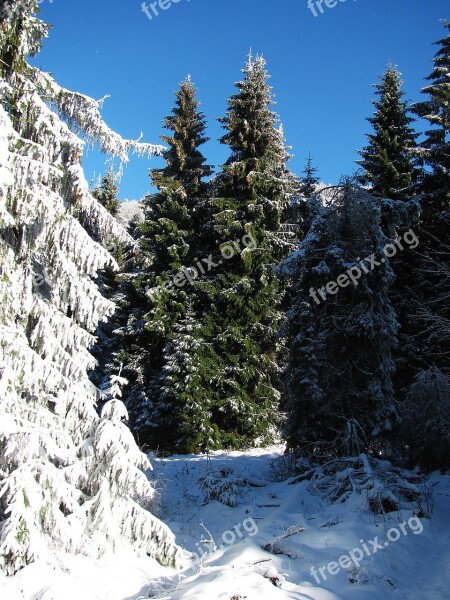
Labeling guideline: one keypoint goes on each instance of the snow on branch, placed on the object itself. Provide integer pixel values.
(83, 115)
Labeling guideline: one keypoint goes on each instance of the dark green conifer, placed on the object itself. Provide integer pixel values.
(388, 163)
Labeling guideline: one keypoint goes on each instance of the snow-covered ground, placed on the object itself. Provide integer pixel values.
(308, 532)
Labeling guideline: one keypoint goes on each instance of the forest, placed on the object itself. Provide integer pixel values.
(236, 308)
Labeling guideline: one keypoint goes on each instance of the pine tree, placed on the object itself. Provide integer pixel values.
(338, 382)
(251, 194)
(172, 239)
(106, 192)
(50, 306)
(388, 164)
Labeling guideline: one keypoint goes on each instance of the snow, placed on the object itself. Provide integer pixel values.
(70, 481)
(129, 209)
(310, 532)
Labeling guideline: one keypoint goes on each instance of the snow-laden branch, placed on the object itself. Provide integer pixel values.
(83, 115)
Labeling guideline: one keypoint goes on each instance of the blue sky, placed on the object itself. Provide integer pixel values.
(322, 67)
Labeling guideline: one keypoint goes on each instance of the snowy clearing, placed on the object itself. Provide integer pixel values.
(413, 568)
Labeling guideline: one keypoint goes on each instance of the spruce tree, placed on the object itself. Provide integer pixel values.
(388, 161)
(427, 319)
(251, 194)
(389, 166)
(426, 425)
(184, 410)
(338, 382)
(306, 203)
(171, 241)
(435, 148)
(106, 192)
(427, 374)
(432, 296)
(52, 238)
(309, 181)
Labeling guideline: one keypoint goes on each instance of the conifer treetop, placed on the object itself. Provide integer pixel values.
(309, 182)
(185, 163)
(388, 161)
(436, 109)
(250, 122)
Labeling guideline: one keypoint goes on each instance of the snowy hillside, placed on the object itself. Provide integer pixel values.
(298, 530)
(128, 210)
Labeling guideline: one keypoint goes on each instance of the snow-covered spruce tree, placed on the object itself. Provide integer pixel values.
(117, 485)
(172, 238)
(425, 314)
(50, 304)
(251, 194)
(389, 166)
(426, 422)
(106, 192)
(184, 409)
(339, 396)
(388, 161)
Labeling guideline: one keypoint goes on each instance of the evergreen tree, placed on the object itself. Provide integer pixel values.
(118, 487)
(251, 194)
(309, 181)
(184, 410)
(338, 382)
(306, 203)
(425, 317)
(172, 238)
(50, 307)
(426, 425)
(106, 192)
(435, 149)
(432, 293)
(389, 165)
(388, 161)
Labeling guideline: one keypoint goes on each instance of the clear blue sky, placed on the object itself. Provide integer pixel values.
(322, 67)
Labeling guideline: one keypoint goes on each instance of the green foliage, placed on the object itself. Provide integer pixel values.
(309, 181)
(16, 25)
(183, 412)
(106, 192)
(424, 355)
(243, 294)
(170, 239)
(426, 425)
(435, 148)
(388, 163)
